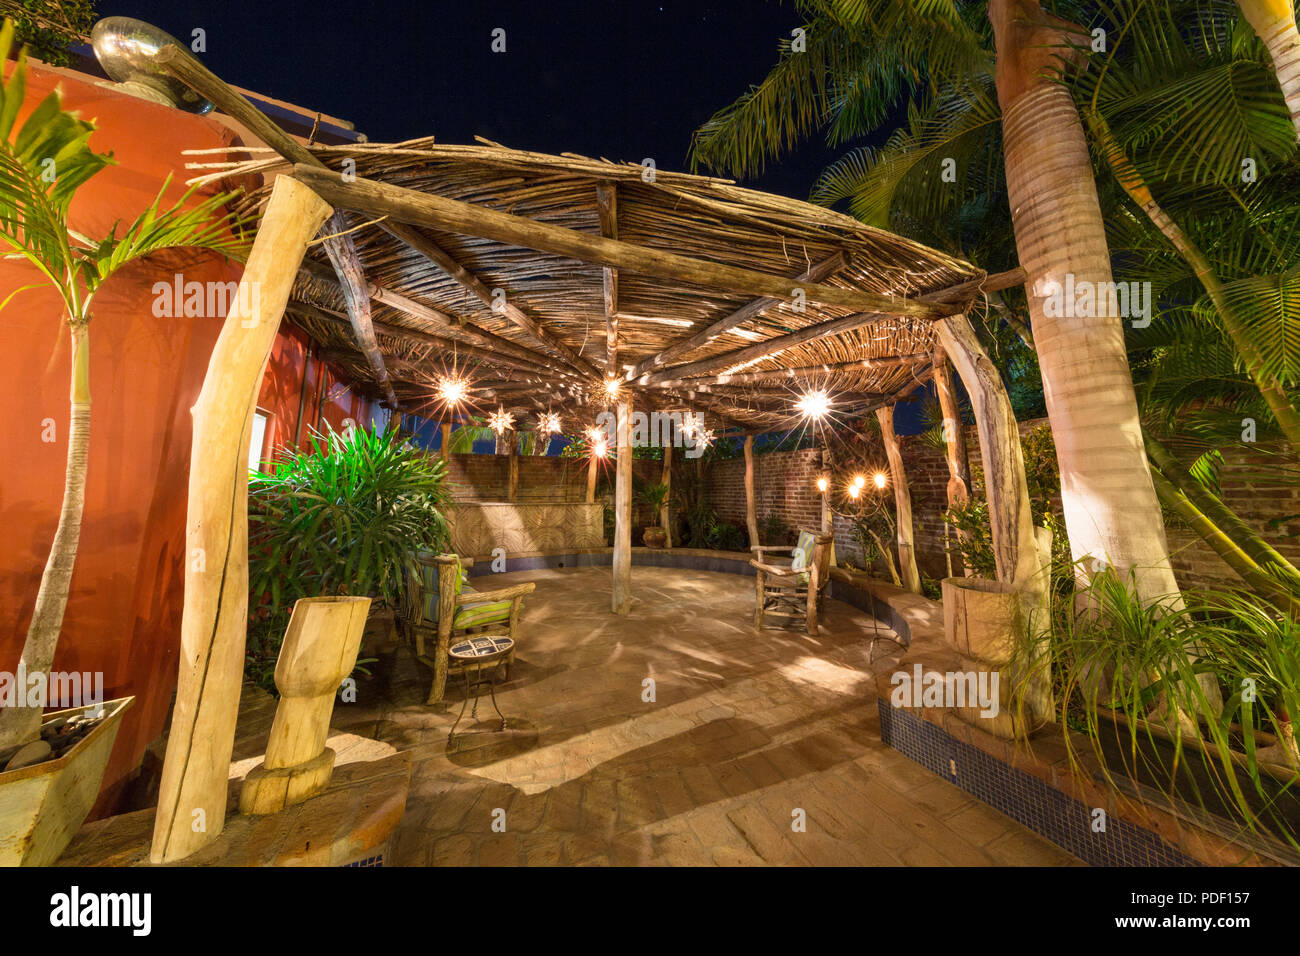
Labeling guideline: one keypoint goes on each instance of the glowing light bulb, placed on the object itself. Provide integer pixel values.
(549, 423)
(854, 491)
(859, 482)
(814, 405)
(452, 389)
(822, 485)
(600, 449)
(611, 388)
(880, 479)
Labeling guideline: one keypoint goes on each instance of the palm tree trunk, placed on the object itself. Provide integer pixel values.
(1111, 511)
(19, 724)
(1274, 23)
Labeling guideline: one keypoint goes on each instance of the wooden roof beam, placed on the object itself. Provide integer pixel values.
(607, 212)
(451, 325)
(810, 371)
(444, 260)
(750, 310)
(449, 215)
(765, 349)
(351, 276)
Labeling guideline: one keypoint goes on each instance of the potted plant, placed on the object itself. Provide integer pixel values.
(346, 517)
(654, 496)
(43, 162)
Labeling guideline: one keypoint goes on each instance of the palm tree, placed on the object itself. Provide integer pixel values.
(42, 164)
(862, 58)
(1274, 23)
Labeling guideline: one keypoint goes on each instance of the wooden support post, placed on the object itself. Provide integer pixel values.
(446, 442)
(751, 516)
(592, 464)
(954, 435)
(512, 452)
(622, 568)
(196, 769)
(665, 513)
(902, 502)
(1014, 549)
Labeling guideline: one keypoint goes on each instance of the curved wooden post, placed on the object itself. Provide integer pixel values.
(446, 441)
(751, 516)
(592, 462)
(1014, 549)
(621, 602)
(192, 794)
(954, 440)
(954, 436)
(902, 502)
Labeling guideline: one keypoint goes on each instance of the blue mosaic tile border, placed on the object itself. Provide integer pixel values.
(1023, 797)
(377, 860)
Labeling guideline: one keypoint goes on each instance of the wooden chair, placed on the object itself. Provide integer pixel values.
(796, 589)
(442, 607)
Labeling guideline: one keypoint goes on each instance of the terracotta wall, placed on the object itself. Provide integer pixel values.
(123, 615)
(124, 612)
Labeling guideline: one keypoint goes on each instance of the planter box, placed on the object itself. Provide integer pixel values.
(43, 806)
(982, 619)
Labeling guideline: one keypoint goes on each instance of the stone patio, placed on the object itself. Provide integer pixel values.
(745, 730)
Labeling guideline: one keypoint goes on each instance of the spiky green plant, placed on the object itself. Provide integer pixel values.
(1123, 668)
(43, 162)
(347, 516)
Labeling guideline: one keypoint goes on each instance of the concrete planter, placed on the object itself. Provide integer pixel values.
(982, 619)
(43, 806)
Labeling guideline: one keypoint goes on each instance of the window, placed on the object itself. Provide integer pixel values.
(258, 440)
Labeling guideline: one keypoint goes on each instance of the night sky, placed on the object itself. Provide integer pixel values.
(623, 80)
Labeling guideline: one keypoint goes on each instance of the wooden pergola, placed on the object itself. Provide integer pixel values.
(547, 278)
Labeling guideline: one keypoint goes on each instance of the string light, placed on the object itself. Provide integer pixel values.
(611, 388)
(822, 485)
(854, 491)
(880, 479)
(814, 405)
(549, 423)
(600, 449)
(501, 421)
(859, 482)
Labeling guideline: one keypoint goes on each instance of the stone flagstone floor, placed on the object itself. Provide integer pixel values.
(747, 732)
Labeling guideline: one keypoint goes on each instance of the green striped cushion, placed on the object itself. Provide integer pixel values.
(476, 615)
(430, 572)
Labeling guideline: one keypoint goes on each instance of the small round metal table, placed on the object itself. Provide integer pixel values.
(482, 655)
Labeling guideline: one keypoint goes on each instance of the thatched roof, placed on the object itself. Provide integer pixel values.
(706, 219)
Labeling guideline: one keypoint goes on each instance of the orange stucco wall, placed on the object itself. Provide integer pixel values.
(123, 616)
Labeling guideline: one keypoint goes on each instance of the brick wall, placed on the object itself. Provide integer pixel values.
(785, 484)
